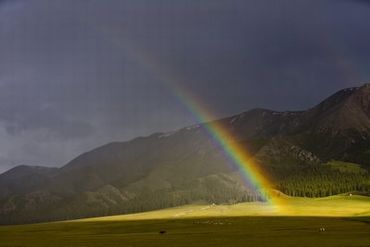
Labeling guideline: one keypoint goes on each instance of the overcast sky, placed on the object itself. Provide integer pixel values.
(76, 74)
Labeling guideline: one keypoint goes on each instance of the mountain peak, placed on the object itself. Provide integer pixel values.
(360, 97)
(187, 166)
(348, 109)
(366, 85)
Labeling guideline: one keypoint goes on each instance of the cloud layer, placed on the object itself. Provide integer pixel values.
(74, 74)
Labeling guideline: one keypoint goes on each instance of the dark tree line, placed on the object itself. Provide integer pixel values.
(314, 182)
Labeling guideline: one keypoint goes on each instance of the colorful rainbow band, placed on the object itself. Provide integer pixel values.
(231, 148)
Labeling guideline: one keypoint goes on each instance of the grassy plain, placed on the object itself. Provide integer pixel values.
(346, 220)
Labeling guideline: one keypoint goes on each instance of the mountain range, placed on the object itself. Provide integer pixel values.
(322, 151)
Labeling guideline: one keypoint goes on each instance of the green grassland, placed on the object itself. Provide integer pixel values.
(346, 220)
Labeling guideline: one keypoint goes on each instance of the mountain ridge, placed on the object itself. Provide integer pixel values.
(183, 166)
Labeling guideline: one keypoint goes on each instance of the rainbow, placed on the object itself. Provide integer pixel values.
(236, 153)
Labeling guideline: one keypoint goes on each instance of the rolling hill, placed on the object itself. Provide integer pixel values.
(319, 152)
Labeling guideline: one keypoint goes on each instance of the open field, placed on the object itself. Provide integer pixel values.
(346, 221)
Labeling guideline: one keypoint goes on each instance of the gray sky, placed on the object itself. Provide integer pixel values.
(76, 74)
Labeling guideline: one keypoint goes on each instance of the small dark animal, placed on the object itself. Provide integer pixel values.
(162, 232)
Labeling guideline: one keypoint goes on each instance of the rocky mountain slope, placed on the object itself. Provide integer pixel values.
(185, 166)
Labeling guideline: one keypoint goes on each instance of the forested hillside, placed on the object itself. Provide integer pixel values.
(319, 152)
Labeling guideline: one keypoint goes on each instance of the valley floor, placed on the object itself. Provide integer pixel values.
(343, 220)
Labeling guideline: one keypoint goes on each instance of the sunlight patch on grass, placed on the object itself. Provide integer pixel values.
(335, 206)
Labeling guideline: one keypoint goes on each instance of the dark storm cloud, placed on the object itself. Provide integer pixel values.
(366, 2)
(6, 1)
(78, 74)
